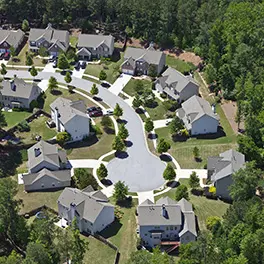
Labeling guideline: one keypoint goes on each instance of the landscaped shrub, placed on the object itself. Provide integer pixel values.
(97, 130)
(23, 126)
(84, 178)
(163, 95)
(33, 104)
(212, 189)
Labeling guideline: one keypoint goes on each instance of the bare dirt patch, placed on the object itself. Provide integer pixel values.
(185, 56)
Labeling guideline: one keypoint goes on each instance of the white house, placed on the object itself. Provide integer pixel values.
(198, 116)
(71, 116)
(91, 209)
(166, 222)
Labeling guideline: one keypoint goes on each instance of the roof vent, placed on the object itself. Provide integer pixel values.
(37, 152)
(164, 212)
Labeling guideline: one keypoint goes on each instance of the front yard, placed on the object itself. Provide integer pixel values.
(14, 118)
(130, 87)
(203, 207)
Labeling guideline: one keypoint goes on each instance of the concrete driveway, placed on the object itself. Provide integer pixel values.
(120, 83)
(49, 67)
(137, 167)
(161, 123)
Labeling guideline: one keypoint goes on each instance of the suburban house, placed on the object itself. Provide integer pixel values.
(138, 61)
(94, 46)
(18, 93)
(198, 116)
(10, 38)
(46, 156)
(71, 116)
(52, 39)
(177, 86)
(91, 208)
(47, 168)
(165, 222)
(220, 170)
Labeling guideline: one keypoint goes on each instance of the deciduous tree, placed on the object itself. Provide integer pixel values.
(102, 171)
(33, 71)
(94, 90)
(118, 144)
(118, 111)
(181, 192)
(169, 173)
(68, 77)
(163, 146)
(194, 180)
(120, 191)
(63, 137)
(149, 125)
(123, 132)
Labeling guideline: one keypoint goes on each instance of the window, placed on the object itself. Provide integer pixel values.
(146, 234)
(167, 228)
(171, 228)
(106, 49)
(42, 185)
(53, 184)
(175, 228)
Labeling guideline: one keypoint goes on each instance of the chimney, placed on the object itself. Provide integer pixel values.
(72, 212)
(13, 85)
(56, 117)
(164, 212)
(37, 152)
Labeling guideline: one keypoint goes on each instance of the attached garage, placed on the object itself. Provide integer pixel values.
(127, 71)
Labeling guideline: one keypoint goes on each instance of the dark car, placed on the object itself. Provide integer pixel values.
(2, 55)
(105, 84)
(52, 58)
(93, 108)
(77, 66)
(65, 71)
(96, 113)
(83, 65)
(6, 56)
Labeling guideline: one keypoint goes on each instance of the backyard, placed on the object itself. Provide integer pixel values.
(203, 207)
(13, 118)
(178, 64)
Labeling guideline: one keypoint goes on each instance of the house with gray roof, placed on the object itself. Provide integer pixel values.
(220, 170)
(10, 38)
(198, 116)
(18, 93)
(177, 86)
(94, 46)
(71, 116)
(52, 39)
(91, 209)
(44, 155)
(138, 61)
(166, 221)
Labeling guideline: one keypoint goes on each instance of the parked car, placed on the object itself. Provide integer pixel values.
(65, 71)
(52, 58)
(54, 64)
(83, 65)
(7, 56)
(77, 66)
(105, 84)
(109, 112)
(93, 108)
(96, 113)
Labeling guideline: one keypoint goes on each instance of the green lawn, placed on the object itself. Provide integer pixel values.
(129, 88)
(110, 67)
(158, 112)
(123, 233)
(73, 41)
(203, 207)
(178, 64)
(13, 118)
(91, 79)
(37, 127)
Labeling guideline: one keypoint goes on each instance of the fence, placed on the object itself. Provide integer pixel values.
(43, 207)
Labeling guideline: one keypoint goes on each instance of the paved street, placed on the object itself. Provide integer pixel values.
(140, 169)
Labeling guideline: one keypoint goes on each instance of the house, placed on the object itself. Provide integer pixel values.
(91, 209)
(220, 170)
(46, 179)
(10, 38)
(18, 93)
(94, 46)
(177, 86)
(43, 155)
(71, 116)
(198, 116)
(138, 61)
(52, 39)
(166, 220)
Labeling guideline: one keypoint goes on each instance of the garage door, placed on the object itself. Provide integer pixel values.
(131, 72)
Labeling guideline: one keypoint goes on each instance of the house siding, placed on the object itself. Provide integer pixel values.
(204, 125)
(161, 64)
(222, 187)
(105, 218)
(190, 90)
(187, 237)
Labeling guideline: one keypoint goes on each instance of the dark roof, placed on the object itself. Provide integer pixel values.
(12, 37)
(93, 41)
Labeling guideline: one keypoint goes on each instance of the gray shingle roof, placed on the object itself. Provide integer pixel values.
(69, 109)
(189, 224)
(226, 164)
(88, 205)
(45, 152)
(60, 175)
(18, 88)
(185, 205)
(149, 55)
(196, 107)
(93, 41)
(12, 37)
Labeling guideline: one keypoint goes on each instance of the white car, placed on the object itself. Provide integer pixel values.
(109, 112)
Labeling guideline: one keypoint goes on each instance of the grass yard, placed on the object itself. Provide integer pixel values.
(158, 112)
(73, 41)
(13, 118)
(129, 88)
(37, 127)
(91, 79)
(123, 233)
(33, 200)
(203, 207)
(22, 58)
(178, 64)
(110, 67)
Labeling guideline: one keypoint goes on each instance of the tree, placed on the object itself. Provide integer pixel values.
(63, 137)
(71, 88)
(123, 132)
(43, 52)
(163, 146)
(196, 153)
(71, 55)
(120, 192)
(106, 121)
(102, 75)
(25, 25)
(175, 125)
(12, 51)
(118, 144)
(68, 77)
(53, 84)
(181, 192)
(63, 62)
(83, 179)
(169, 173)
(194, 180)
(118, 111)
(102, 171)
(210, 74)
(29, 60)
(3, 69)
(33, 71)
(37, 253)
(94, 90)
(139, 87)
(136, 101)
(2, 120)
(213, 222)
(149, 125)
(152, 71)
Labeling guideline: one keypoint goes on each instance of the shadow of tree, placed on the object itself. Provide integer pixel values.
(82, 144)
(56, 92)
(121, 155)
(128, 143)
(112, 229)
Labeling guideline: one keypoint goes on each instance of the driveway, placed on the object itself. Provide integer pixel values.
(49, 67)
(120, 83)
(161, 123)
(78, 74)
(137, 167)
(86, 163)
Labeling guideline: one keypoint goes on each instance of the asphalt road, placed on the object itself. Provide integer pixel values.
(137, 167)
